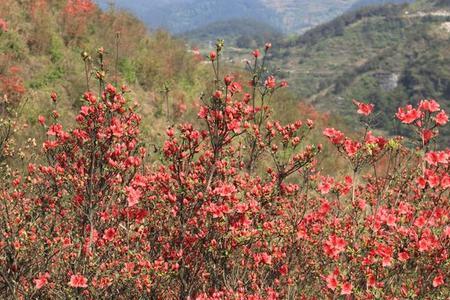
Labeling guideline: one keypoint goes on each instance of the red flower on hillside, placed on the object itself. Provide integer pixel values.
(332, 281)
(441, 118)
(334, 246)
(438, 281)
(363, 108)
(347, 288)
(408, 114)
(133, 196)
(270, 82)
(429, 105)
(41, 281)
(78, 281)
(110, 234)
(3, 25)
(334, 135)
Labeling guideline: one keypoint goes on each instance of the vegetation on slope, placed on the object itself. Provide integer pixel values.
(236, 206)
(242, 33)
(40, 53)
(388, 55)
(364, 3)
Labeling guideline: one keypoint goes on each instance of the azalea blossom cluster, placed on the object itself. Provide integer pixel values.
(76, 14)
(12, 87)
(426, 118)
(237, 208)
(418, 217)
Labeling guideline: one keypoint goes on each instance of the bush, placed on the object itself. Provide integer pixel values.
(235, 209)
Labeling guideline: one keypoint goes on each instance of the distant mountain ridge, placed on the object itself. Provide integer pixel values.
(363, 3)
(178, 16)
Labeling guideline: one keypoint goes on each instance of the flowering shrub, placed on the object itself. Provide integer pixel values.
(235, 209)
(11, 88)
(75, 15)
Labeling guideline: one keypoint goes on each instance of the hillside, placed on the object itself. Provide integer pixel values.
(202, 21)
(242, 33)
(40, 53)
(390, 55)
(364, 3)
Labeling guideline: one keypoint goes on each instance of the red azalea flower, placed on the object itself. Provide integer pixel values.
(235, 87)
(270, 82)
(334, 135)
(427, 135)
(42, 280)
(403, 256)
(284, 269)
(438, 281)
(334, 246)
(325, 185)
(429, 105)
(134, 196)
(78, 281)
(441, 118)
(435, 158)
(331, 281)
(351, 147)
(110, 234)
(347, 288)
(363, 108)
(420, 222)
(445, 181)
(408, 115)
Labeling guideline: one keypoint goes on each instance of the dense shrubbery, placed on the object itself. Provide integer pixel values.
(237, 208)
(235, 205)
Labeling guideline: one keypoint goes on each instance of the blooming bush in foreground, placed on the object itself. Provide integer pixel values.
(235, 209)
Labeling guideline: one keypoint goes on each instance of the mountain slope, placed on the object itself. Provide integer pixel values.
(243, 33)
(363, 3)
(389, 55)
(40, 53)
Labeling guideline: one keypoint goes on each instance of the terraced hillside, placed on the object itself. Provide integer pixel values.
(389, 55)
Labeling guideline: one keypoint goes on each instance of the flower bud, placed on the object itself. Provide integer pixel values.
(212, 56)
(41, 120)
(54, 96)
(217, 94)
(228, 80)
